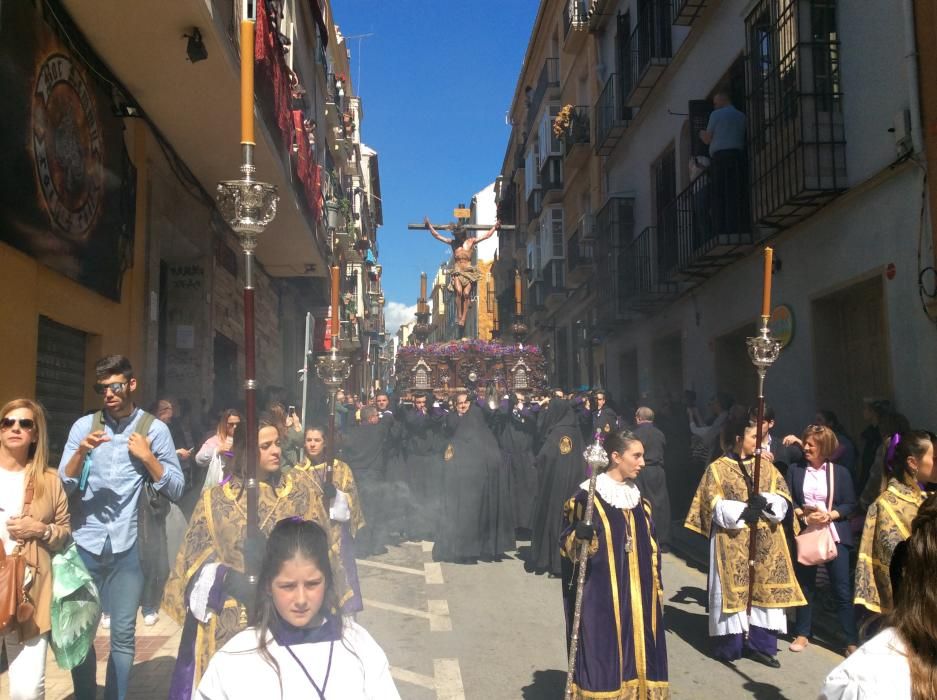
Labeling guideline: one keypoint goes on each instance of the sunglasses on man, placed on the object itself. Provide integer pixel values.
(25, 423)
(115, 387)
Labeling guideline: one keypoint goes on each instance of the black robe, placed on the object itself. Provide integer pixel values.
(363, 451)
(516, 437)
(467, 529)
(421, 450)
(561, 468)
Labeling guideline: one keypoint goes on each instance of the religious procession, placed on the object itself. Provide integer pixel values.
(657, 424)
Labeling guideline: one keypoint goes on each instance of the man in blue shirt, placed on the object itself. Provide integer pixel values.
(725, 136)
(104, 512)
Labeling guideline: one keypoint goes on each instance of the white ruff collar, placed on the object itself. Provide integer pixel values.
(620, 494)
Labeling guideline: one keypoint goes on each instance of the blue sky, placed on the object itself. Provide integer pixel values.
(436, 81)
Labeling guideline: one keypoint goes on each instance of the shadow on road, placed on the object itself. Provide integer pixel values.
(149, 679)
(547, 685)
(691, 594)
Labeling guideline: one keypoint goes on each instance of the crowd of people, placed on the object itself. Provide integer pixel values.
(476, 473)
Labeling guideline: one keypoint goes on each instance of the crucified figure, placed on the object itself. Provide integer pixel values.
(464, 275)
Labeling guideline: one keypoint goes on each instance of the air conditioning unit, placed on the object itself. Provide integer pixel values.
(586, 227)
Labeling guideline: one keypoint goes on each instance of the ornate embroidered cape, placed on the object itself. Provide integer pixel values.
(623, 651)
(343, 480)
(887, 523)
(775, 583)
(216, 534)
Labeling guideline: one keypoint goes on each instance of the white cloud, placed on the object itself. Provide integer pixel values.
(397, 313)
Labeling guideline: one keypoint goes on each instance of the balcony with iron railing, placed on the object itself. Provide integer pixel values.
(577, 137)
(580, 257)
(547, 286)
(534, 205)
(796, 128)
(548, 85)
(551, 179)
(648, 52)
(575, 25)
(686, 12)
(641, 285)
(702, 230)
(611, 116)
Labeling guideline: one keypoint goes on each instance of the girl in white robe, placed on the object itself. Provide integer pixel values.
(298, 645)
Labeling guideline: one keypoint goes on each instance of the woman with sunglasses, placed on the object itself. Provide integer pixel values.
(910, 460)
(299, 645)
(208, 591)
(345, 517)
(211, 456)
(33, 519)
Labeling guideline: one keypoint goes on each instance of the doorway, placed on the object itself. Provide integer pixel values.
(851, 356)
(60, 380)
(628, 376)
(667, 368)
(225, 387)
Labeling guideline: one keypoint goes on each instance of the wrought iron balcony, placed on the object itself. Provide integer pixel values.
(577, 137)
(580, 256)
(641, 285)
(611, 116)
(796, 131)
(551, 179)
(534, 205)
(614, 229)
(547, 287)
(648, 52)
(547, 84)
(575, 24)
(686, 12)
(702, 230)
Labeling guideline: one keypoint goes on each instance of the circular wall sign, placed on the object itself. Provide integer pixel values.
(781, 324)
(68, 146)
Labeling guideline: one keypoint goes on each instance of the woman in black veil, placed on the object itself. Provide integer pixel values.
(560, 466)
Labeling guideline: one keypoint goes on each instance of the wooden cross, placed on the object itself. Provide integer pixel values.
(462, 215)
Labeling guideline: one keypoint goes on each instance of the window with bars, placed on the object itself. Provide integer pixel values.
(796, 131)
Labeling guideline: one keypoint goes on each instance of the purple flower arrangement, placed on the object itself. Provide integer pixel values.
(453, 348)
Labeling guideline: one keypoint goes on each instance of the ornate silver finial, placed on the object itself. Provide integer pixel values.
(248, 206)
(595, 454)
(763, 349)
(333, 369)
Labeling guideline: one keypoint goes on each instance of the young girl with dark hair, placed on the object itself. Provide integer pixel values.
(900, 661)
(910, 460)
(298, 645)
(209, 592)
(623, 583)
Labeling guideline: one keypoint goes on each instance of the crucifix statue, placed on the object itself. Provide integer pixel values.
(463, 276)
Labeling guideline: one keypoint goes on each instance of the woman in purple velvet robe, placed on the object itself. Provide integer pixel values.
(622, 652)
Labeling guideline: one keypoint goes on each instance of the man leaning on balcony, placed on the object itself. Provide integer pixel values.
(725, 136)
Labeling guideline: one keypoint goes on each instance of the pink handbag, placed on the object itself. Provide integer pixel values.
(815, 543)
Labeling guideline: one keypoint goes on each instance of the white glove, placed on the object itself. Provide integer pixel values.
(340, 511)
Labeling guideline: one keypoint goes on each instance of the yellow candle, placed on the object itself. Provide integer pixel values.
(422, 285)
(517, 292)
(247, 81)
(766, 291)
(334, 300)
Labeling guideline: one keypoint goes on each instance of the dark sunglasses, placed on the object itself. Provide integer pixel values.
(115, 387)
(25, 423)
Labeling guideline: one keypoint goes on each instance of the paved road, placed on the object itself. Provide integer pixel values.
(490, 631)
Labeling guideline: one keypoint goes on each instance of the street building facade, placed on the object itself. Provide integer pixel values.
(642, 251)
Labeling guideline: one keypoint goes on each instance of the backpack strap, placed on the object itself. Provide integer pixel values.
(143, 425)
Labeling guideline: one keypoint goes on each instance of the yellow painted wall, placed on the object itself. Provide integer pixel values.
(29, 290)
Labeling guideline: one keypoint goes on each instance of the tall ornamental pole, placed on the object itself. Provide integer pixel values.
(248, 206)
(596, 458)
(763, 350)
(333, 370)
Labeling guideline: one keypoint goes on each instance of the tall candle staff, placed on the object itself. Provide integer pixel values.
(248, 206)
(333, 370)
(596, 458)
(763, 350)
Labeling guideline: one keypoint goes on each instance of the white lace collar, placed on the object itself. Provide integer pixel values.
(620, 494)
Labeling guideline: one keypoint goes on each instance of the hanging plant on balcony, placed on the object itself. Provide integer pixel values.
(562, 121)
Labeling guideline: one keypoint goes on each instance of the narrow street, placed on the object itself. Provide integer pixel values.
(492, 631)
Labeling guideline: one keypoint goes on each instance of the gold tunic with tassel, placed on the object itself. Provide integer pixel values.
(775, 584)
(887, 523)
(344, 481)
(216, 534)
